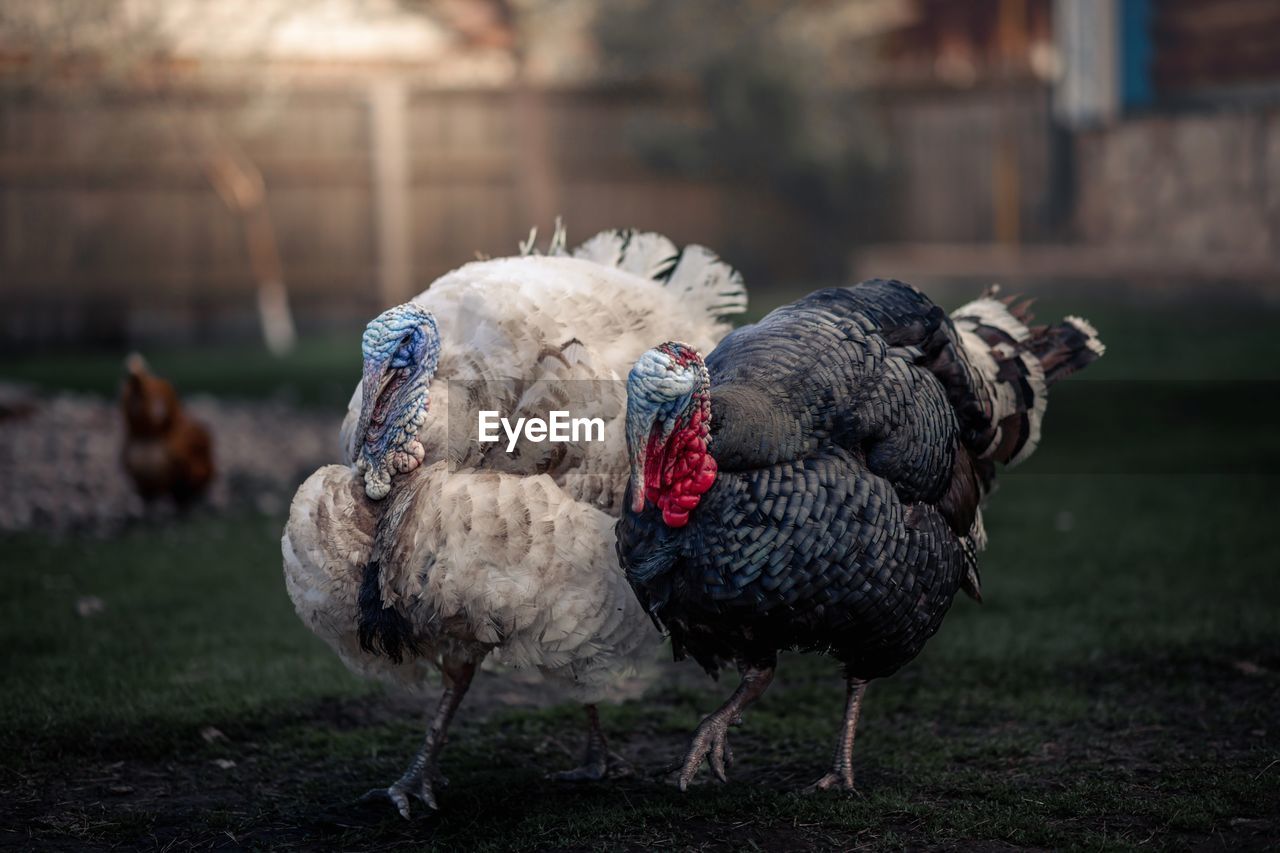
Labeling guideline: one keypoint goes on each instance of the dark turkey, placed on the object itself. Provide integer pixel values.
(816, 484)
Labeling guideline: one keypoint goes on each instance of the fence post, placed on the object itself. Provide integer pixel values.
(388, 119)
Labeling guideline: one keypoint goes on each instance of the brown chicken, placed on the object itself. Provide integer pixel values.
(165, 452)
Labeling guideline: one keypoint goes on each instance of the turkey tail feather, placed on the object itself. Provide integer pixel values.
(999, 383)
(1067, 347)
(703, 281)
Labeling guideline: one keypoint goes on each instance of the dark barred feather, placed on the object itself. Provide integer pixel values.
(1065, 348)
(382, 629)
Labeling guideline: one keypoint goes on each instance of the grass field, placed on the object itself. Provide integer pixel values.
(1120, 687)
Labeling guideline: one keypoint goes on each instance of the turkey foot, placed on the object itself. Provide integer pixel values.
(711, 740)
(423, 776)
(841, 776)
(416, 782)
(598, 762)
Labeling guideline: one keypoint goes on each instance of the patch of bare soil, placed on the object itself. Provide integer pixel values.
(244, 791)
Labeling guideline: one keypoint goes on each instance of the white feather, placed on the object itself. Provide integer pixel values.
(547, 594)
(1093, 342)
(484, 558)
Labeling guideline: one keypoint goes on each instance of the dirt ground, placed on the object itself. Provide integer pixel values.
(246, 788)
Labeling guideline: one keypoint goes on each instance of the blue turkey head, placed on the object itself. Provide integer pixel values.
(401, 348)
(668, 431)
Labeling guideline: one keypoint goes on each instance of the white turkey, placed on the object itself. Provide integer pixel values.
(430, 550)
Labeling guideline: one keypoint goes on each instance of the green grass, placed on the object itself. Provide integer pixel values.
(321, 370)
(1117, 689)
(197, 622)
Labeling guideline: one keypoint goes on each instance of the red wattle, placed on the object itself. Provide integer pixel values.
(678, 473)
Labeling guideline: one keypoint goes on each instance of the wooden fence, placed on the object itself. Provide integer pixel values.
(111, 229)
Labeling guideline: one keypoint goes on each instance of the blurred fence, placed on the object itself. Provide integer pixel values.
(111, 229)
(973, 165)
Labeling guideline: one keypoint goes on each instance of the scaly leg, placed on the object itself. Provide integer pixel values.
(423, 775)
(841, 775)
(711, 740)
(598, 762)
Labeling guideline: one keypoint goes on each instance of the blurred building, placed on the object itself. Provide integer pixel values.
(1177, 153)
(188, 168)
(1162, 153)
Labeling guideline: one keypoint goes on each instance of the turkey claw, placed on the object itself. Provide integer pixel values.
(833, 781)
(710, 742)
(395, 794)
(400, 792)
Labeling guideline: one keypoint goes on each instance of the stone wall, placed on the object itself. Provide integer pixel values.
(1189, 184)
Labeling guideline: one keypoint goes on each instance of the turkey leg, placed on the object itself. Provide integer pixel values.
(423, 775)
(711, 740)
(598, 762)
(841, 775)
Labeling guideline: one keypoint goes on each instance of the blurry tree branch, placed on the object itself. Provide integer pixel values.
(240, 185)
